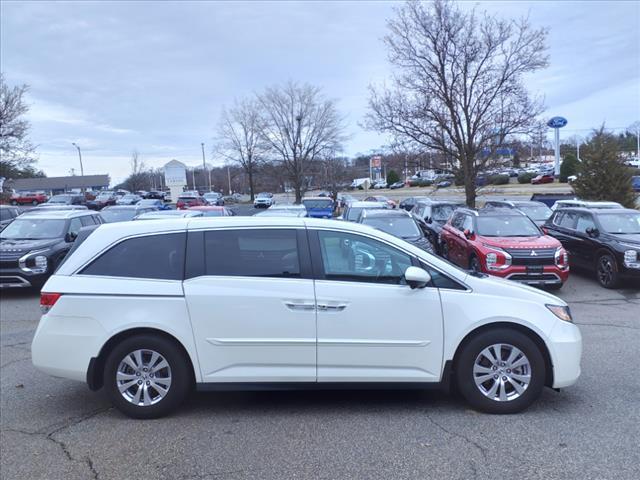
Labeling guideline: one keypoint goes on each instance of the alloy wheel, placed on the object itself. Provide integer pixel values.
(605, 270)
(502, 372)
(143, 377)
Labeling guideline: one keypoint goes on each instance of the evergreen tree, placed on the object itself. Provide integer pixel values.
(392, 177)
(570, 166)
(603, 176)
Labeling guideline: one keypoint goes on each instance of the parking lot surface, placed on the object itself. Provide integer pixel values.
(58, 429)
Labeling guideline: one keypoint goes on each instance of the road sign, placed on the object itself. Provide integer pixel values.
(557, 123)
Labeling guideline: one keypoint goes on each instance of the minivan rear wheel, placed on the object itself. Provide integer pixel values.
(147, 376)
(500, 371)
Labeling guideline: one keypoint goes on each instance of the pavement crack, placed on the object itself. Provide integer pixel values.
(615, 325)
(482, 450)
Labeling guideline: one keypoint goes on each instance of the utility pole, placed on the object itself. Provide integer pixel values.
(229, 178)
(81, 169)
(578, 147)
(193, 177)
(204, 166)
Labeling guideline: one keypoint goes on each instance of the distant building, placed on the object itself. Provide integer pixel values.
(54, 185)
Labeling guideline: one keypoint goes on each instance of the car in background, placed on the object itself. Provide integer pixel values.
(396, 185)
(263, 200)
(7, 214)
(344, 199)
(443, 184)
(319, 207)
(214, 198)
(142, 193)
(536, 211)
(188, 200)
(212, 211)
(505, 243)
(124, 213)
(103, 199)
(635, 183)
(432, 215)
(605, 241)
(540, 179)
(584, 204)
(66, 199)
(58, 206)
(34, 244)
(354, 209)
(284, 210)
(121, 193)
(153, 203)
(398, 223)
(29, 198)
(128, 199)
(385, 201)
(410, 202)
(138, 313)
(156, 195)
(378, 184)
(168, 214)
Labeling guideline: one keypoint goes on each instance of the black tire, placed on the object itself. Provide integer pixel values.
(465, 376)
(181, 376)
(607, 271)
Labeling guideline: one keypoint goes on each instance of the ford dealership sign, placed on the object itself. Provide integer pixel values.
(557, 122)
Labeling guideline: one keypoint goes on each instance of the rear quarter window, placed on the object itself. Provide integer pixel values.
(153, 256)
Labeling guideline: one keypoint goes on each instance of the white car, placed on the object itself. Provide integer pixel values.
(584, 203)
(263, 200)
(380, 184)
(147, 310)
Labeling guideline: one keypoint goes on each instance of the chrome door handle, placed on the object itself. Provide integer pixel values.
(325, 307)
(300, 305)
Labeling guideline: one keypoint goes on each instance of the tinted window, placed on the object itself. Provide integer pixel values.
(568, 220)
(443, 212)
(585, 221)
(88, 220)
(153, 256)
(507, 226)
(348, 257)
(457, 220)
(75, 225)
(5, 214)
(33, 228)
(467, 223)
(623, 223)
(252, 253)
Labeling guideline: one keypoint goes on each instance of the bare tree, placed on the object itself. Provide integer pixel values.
(334, 172)
(16, 152)
(139, 177)
(299, 123)
(459, 84)
(240, 139)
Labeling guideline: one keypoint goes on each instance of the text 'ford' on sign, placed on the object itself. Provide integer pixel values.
(557, 122)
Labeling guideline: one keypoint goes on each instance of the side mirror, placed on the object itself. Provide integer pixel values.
(427, 219)
(417, 277)
(468, 233)
(593, 232)
(70, 237)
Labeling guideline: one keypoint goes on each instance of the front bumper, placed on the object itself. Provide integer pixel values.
(550, 275)
(565, 348)
(18, 278)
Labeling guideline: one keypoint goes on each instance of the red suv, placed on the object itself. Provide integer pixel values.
(189, 200)
(505, 243)
(28, 198)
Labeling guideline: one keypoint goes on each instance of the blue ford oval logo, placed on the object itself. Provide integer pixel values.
(557, 122)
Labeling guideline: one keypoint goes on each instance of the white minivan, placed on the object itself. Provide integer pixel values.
(148, 310)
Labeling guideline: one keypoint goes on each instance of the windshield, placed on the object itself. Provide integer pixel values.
(442, 213)
(104, 195)
(129, 197)
(536, 212)
(212, 195)
(33, 229)
(317, 203)
(212, 213)
(620, 222)
(149, 203)
(402, 227)
(60, 199)
(117, 215)
(507, 226)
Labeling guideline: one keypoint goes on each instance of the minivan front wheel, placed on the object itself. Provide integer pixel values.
(147, 376)
(500, 371)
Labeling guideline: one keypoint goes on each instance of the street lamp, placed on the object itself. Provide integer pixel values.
(81, 169)
(204, 166)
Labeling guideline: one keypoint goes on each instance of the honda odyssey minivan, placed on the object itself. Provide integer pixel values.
(149, 310)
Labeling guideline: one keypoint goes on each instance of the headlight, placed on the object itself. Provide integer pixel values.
(498, 260)
(40, 264)
(631, 259)
(563, 313)
(33, 262)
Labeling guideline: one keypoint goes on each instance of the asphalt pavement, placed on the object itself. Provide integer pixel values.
(53, 428)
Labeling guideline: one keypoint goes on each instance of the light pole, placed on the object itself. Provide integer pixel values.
(81, 169)
(229, 178)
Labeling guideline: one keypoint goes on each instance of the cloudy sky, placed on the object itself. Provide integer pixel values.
(114, 76)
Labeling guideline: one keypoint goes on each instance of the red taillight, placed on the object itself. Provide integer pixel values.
(48, 300)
